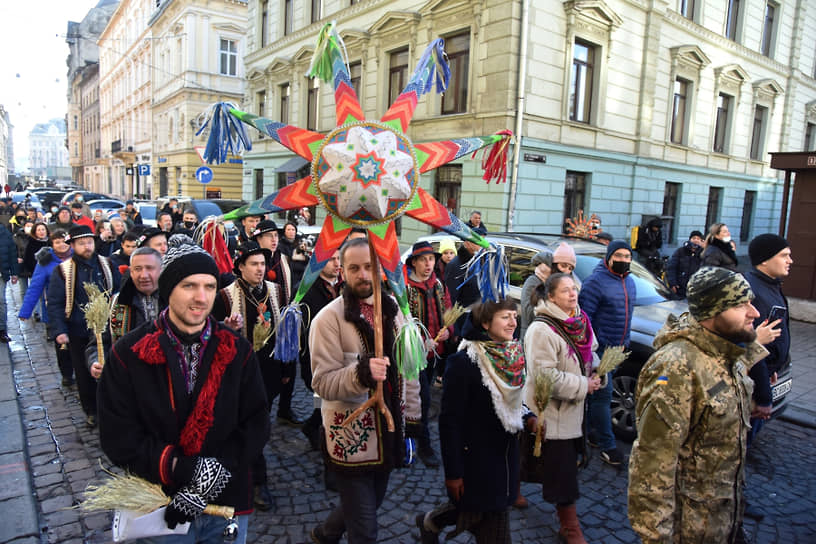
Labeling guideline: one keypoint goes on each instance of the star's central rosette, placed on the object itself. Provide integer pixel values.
(365, 173)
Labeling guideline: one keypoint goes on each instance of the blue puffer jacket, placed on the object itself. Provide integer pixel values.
(47, 261)
(608, 300)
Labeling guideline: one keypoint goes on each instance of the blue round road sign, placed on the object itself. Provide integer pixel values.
(204, 174)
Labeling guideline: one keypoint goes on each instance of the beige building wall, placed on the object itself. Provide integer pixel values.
(191, 72)
(125, 96)
(73, 119)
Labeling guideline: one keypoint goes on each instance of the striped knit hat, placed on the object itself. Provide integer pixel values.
(183, 258)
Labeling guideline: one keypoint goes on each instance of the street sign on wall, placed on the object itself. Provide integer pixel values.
(144, 169)
(204, 174)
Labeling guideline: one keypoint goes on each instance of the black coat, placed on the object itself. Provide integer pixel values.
(318, 295)
(455, 274)
(719, 253)
(86, 271)
(684, 262)
(144, 409)
(475, 445)
(767, 294)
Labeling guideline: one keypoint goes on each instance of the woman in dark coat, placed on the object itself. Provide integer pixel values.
(718, 251)
(479, 424)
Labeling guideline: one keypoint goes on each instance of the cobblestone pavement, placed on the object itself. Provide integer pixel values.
(65, 456)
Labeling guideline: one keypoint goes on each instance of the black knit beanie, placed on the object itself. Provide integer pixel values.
(615, 245)
(183, 258)
(765, 246)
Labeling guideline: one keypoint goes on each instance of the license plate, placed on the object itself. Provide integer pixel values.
(780, 390)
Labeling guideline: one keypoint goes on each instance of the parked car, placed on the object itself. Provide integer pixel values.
(26, 198)
(203, 208)
(87, 196)
(107, 205)
(147, 209)
(49, 196)
(653, 304)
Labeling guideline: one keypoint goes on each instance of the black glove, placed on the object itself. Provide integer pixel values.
(185, 506)
(364, 376)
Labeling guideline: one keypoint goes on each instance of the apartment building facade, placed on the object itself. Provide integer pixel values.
(627, 108)
(197, 60)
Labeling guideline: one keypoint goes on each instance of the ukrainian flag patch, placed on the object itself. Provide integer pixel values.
(662, 380)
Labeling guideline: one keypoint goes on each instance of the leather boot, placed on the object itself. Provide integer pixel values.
(570, 532)
(521, 501)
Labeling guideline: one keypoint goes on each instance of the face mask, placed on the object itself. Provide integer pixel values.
(77, 214)
(79, 199)
(27, 229)
(620, 267)
(727, 239)
(54, 209)
(189, 224)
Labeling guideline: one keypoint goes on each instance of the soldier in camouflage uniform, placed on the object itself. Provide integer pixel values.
(686, 472)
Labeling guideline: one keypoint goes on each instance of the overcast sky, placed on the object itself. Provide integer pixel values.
(33, 72)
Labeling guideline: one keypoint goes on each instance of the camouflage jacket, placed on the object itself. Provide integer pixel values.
(693, 409)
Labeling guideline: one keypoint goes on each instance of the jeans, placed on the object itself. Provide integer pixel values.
(203, 530)
(3, 308)
(360, 496)
(600, 416)
(756, 426)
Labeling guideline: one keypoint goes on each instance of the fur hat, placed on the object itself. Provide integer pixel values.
(183, 258)
(564, 254)
(712, 290)
(765, 246)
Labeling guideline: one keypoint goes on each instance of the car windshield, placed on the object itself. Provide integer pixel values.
(649, 289)
(148, 211)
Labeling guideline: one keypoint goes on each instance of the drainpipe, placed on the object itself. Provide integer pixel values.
(522, 75)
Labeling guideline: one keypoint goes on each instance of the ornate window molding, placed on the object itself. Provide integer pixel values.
(687, 63)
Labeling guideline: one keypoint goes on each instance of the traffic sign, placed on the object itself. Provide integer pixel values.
(200, 150)
(144, 169)
(204, 174)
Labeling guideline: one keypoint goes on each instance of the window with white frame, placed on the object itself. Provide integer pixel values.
(284, 91)
(769, 29)
(228, 57)
(582, 81)
(311, 103)
(457, 47)
(687, 62)
(686, 8)
(758, 132)
(679, 116)
(723, 122)
(733, 19)
(810, 137)
(356, 76)
(397, 73)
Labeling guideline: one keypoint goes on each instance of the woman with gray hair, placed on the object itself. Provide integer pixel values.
(542, 263)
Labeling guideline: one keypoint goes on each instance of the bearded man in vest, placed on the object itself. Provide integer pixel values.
(67, 296)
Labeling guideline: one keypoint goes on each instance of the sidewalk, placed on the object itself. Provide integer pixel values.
(802, 405)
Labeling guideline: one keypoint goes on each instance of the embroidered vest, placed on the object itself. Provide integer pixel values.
(68, 270)
(237, 302)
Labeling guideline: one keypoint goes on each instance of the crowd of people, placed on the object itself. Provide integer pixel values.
(183, 385)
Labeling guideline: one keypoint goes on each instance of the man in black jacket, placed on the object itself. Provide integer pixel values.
(771, 259)
(181, 402)
(66, 297)
(684, 262)
(468, 293)
(8, 271)
(277, 264)
(136, 303)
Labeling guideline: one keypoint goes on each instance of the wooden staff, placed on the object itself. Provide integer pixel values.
(376, 400)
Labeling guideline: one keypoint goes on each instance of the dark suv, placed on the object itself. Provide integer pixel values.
(653, 304)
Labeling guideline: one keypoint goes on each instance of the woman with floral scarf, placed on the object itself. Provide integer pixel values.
(560, 343)
(479, 423)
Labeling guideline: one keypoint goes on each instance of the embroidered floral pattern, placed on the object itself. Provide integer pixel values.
(352, 439)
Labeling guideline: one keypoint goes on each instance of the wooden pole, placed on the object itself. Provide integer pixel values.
(376, 400)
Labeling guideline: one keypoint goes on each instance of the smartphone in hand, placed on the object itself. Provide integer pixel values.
(777, 312)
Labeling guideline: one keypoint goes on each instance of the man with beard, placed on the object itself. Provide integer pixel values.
(246, 304)
(66, 297)
(345, 370)
(428, 300)
(686, 474)
(181, 402)
(325, 289)
(277, 264)
(136, 303)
